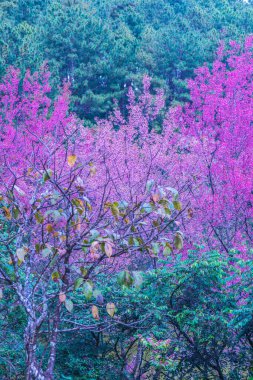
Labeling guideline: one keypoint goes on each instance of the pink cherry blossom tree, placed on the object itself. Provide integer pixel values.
(215, 144)
(73, 204)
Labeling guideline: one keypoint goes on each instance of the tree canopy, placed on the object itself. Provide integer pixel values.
(102, 47)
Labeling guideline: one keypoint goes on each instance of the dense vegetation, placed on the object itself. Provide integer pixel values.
(126, 247)
(103, 46)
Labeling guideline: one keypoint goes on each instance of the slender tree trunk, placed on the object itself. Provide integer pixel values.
(33, 372)
(53, 343)
(33, 368)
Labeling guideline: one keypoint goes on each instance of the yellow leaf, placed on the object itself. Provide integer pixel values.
(110, 308)
(94, 248)
(7, 213)
(177, 205)
(62, 297)
(178, 241)
(190, 212)
(95, 312)
(93, 170)
(155, 197)
(49, 228)
(108, 249)
(72, 160)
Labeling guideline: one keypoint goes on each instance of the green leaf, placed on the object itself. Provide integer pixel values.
(56, 215)
(110, 308)
(69, 305)
(125, 278)
(78, 283)
(174, 192)
(46, 252)
(39, 217)
(149, 185)
(138, 280)
(87, 290)
(177, 205)
(55, 276)
(47, 175)
(155, 248)
(37, 247)
(94, 234)
(147, 207)
(167, 250)
(123, 205)
(178, 241)
(16, 212)
(21, 252)
(115, 210)
(84, 271)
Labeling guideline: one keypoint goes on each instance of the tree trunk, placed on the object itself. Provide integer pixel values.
(32, 369)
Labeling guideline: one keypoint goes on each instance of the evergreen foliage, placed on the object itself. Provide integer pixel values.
(103, 46)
